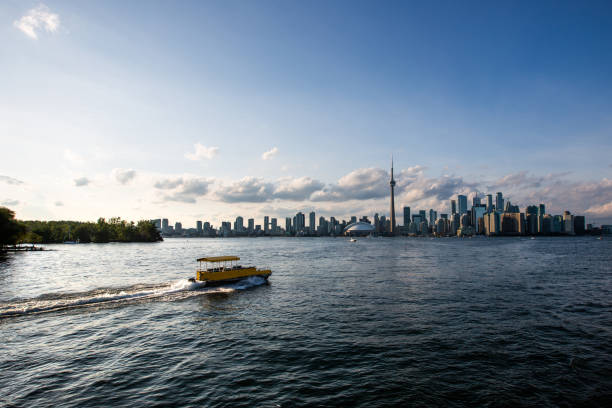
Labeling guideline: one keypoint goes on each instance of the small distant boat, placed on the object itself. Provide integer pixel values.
(352, 240)
(600, 238)
(224, 269)
(532, 238)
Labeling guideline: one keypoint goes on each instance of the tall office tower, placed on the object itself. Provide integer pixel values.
(433, 216)
(274, 223)
(353, 219)
(288, 224)
(499, 202)
(476, 200)
(199, 226)
(300, 220)
(453, 207)
(266, 224)
(392, 209)
(462, 201)
(541, 213)
(251, 224)
(239, 224)
(489, 202)
(423, 215)
(178, 227)
(406, 217)
(165, 225)
(311, 223)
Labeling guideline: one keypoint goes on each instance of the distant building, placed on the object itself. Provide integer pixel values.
(251, 225)
(178, 228)
(288, 225)
(406, 216)
(453, 207)
(499, 202)
(199, 226)
(489, 202)
(462, 202)
(300, 221)
(311, 224)
(433, 216)
(266, 224)
(274, 226)
(157, 224)
(165, 226)
(579, 225)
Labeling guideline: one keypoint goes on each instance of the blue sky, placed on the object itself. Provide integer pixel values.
(468, 96)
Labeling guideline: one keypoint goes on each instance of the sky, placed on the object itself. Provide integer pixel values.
(209, 110)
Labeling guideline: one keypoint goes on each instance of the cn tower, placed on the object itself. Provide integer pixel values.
(392, 214)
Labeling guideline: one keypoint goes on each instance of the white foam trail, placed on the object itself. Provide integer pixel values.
(180, 289)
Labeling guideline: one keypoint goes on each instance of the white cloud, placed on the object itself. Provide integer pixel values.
(37, 19)
(185, 190)
(269, 154)
(58, 204)
(9, 203)
(10, 180)
(202, 152)
(124, 176)
(81, 181)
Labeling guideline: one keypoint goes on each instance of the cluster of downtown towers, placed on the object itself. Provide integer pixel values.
(499, 218)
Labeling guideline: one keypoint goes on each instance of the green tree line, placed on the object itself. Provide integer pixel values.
(14, 231)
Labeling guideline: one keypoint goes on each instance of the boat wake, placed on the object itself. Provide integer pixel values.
(171, 291)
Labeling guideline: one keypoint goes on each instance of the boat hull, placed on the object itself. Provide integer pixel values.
(230, 275)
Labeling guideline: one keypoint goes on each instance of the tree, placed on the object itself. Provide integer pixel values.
(11, 230)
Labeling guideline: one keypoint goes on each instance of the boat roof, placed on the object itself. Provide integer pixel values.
(219, 259)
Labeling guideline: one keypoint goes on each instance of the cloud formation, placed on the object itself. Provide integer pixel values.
(269, 154)
(202, 152)
(9, 203)
(246, 190)
(38, 19)
(124, 176)
(10, 180)
(81, 181)
(184, 190)
(58, 204)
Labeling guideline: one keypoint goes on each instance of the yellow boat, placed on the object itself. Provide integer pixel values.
(223, 269)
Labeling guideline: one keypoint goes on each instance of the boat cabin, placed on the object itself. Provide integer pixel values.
(219, 263)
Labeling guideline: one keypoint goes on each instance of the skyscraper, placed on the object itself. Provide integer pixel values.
(392, 209)
(199, 226)
(406, 216)
(251, 224)
(311, 216)
(462, 201)
(453, 207)
(489, 202)
(266, 224)
(499, 202)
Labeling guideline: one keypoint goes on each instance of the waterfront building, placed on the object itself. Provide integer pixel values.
(274, 226)
(499, 202)
(266, 224)
(300, 222)
(556, 224)
(239, 224)
(251, 225)
(579, 225)
(476, 200)
(165, 226)
(406, 216)
(157, 224)
(353, 220)
(568, 223)
(288, 225)
(444, 216)
(489, 202)
(465, 220)
(541, 213)
(478, 211)
(433, 216)
(312, 220)
(453, 207)
(178, 228)
(199, 227)
(462, 202)
(547, 221)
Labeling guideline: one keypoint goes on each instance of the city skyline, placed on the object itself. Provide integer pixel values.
(191, 116)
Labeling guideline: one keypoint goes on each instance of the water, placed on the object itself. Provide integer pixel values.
(379, 322)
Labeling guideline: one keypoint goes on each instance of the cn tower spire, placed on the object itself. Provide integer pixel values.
(392, 228)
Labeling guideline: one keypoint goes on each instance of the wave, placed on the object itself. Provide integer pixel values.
(177, 290)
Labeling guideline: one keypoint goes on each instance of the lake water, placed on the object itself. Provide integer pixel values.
(379, 322)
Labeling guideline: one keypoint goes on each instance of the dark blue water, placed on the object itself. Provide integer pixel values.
(379, 322)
